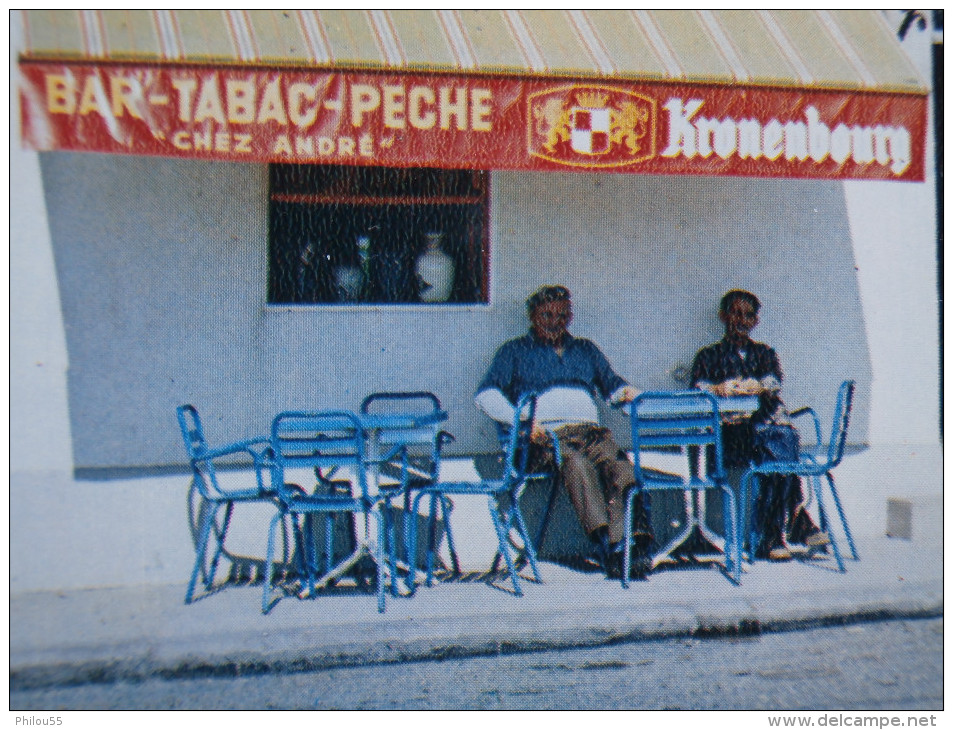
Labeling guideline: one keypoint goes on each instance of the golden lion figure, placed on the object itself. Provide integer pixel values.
(628, 124)
(552, 122)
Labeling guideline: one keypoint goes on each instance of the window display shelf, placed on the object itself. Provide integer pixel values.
(335, 199)
(378, 235)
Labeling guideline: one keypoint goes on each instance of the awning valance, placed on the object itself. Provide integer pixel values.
(742, 92)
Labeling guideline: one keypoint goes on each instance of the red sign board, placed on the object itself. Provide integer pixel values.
(480, 122)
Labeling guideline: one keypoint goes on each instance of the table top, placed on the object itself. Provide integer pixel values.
(397, 420)
(733, 405)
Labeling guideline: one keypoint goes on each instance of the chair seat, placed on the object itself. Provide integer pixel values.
(485, 487)
(324, 503)
(806, 465)
(249, 495)
(674, 481)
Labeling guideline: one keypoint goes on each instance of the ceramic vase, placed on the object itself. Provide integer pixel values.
(352, 281)
(435, 270)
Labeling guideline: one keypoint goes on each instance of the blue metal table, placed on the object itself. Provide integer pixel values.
(379, 427)
(694, 525)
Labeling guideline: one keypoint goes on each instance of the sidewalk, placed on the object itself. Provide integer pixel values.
(132, 632)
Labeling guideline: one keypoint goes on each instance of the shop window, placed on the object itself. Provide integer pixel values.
(377, 235)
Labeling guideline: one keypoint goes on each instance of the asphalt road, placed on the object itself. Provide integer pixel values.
(890, 665)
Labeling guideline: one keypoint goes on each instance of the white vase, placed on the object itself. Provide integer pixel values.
(350, 282)
(435, 271)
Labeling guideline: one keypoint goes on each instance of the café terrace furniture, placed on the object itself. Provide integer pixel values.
(502, 496)
(336, 443)
(680, 419)
(412, 448)
(323, 442)
(812, 463)
(216, 499)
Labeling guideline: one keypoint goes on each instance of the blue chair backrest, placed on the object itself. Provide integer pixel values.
(192, 433)
(677, 418)
(516, 451)
(405, 402)
(401, 399)
(845, 400)
(516, 438)
(320, 439)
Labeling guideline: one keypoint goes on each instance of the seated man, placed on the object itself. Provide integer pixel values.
(566, 373)
(737, 365)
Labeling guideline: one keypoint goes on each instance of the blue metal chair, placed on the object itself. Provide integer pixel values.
(323, 442)
(205, 462)
(553, 476)
(683, 419)
(412, 456)
(812, 463)
(502, 495)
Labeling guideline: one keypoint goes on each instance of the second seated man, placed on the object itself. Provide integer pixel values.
(737, 365)
(568, 373)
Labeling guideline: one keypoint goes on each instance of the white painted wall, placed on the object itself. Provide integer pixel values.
(893, 227)
(894, 234)
(39, 434)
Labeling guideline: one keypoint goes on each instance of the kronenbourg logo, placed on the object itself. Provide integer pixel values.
(591, 126)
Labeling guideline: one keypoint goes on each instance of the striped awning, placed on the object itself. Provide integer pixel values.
(843, 49)
(781, 93)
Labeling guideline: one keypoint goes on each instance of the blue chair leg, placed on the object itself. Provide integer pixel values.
(310, 551)
(823, 523)
(269, 564)
(732, 537)
(388, 515)
(298, 536)
(503, 539)
(411, 527)
(627, 526)
(517, 518)
(219, 543)
(432, 537)
(816, 483)
(843, 517)
(445, 510)
(410, 524)
(380, 562)
(328, 544)
(748, 528)
(201, 548)
(513, 519)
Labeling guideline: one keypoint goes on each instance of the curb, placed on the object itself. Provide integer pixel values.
(308, 659)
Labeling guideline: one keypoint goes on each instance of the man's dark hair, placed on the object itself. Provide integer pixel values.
(734, 295)
(545, 295)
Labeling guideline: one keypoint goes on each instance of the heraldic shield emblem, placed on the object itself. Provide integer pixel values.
(591, 126)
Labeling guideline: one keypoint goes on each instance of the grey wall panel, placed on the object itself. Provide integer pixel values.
(162, 274)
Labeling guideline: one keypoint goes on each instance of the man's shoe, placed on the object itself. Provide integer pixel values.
(779, 553)
(595, 560)
(817, 539)
(641, 567)
(614, 565)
